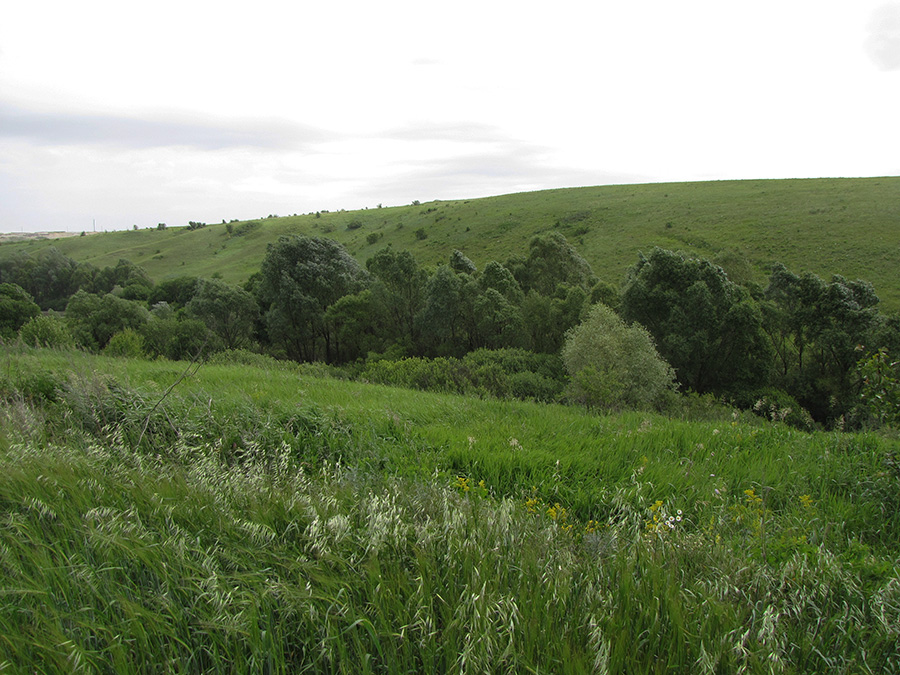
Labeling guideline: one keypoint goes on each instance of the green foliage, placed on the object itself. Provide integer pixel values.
(46, 330)
(398, 292)
(229, 312)
(176, 292)
(49, 276)
(132, 279)
(94, 319)
(502, 373)
(552, 261)
(235, 522)
(881, 388)
(821, 225)
(547, 318)
(708, 328)
(614, 365)
(441, 318)
(128, 343)
(17, 307)
(299, 279)
(461, 264)
(355, 321)
(176, 339)
(818, 330)
(779, 406)
(498, 322)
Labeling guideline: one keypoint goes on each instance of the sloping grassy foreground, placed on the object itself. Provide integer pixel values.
(262, 520)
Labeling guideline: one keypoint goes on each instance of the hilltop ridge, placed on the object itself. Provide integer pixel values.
(846, 226)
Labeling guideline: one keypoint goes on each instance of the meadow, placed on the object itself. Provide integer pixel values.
(167, 517)
(844, 226)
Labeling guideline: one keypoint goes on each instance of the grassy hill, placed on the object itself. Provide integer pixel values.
(827, 226)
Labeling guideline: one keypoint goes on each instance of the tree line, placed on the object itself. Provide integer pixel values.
(536, 325)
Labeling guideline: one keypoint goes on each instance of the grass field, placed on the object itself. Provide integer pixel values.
(825, 226)
(162, 518)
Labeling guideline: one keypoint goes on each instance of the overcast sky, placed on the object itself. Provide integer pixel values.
(120, 113)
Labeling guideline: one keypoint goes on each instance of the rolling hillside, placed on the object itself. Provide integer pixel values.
(826, 226)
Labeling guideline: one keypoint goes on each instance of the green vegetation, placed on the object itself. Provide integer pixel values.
(614, 365)
(823, 226)
(568, 431)
(167, 517)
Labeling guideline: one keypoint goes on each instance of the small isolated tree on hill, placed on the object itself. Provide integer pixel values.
(614, 365)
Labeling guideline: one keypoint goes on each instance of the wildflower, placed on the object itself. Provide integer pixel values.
(806, 501)
(715, 432)
(514, 443)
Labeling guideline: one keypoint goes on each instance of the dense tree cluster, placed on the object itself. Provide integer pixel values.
(791, 346)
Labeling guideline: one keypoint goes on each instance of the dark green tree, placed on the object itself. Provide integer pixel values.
(547, 318)
(499, 278)
(94, 319)
(49, 276)
(176, 292)
(460, 263)
(228, 311)
(498, 322)
(398, 291)
(16, 308)
(819, 331)
(708, 328)
(551, 261)
(354, 322)
(125, 275)
(441, 319)
(178, 340)
(300, 278)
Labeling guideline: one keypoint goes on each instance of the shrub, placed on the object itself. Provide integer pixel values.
(529, 385)
(779, 406)
(46, 330)
(127, 343)
(881, 388)
(614, 365)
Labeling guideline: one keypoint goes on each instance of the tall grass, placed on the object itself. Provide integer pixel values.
(256, 520)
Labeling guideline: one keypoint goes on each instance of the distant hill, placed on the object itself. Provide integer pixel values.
(847, 226)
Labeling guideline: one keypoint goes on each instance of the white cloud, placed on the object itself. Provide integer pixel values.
(883, 43)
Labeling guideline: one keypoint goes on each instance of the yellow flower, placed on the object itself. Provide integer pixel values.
(806, 501)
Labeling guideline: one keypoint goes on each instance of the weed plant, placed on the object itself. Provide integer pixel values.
(256, 519)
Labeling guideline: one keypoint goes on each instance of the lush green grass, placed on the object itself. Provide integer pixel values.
(826, 226)
(265, 520)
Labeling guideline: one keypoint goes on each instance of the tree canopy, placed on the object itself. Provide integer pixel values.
(707, 327)
(300, 278)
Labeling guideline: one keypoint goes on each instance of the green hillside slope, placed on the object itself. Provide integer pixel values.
(826, 226)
